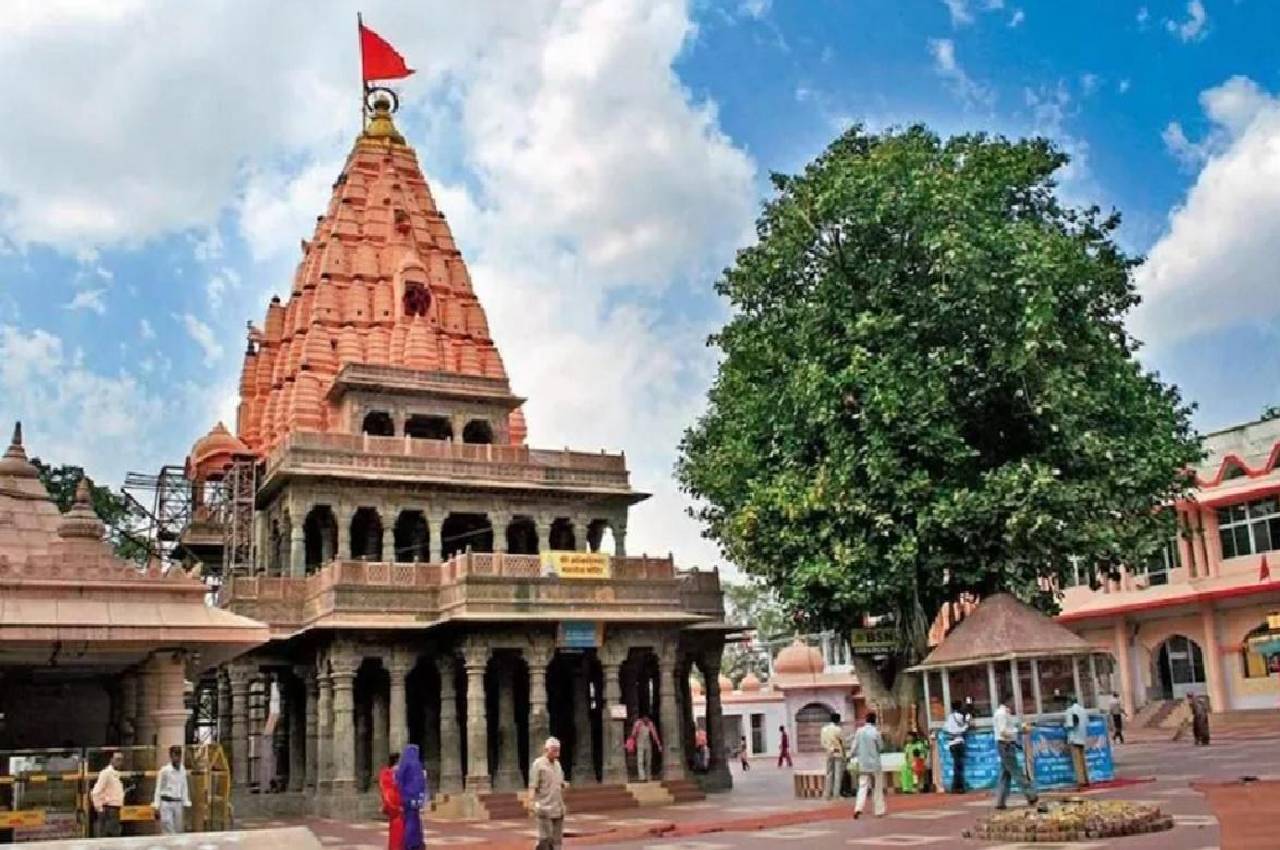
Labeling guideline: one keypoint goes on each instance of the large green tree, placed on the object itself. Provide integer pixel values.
(927, 389)
(111, 507)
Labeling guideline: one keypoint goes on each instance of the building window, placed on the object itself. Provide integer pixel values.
(1250, 528)
(1252, 662)
(1161, 561)
(757, 733)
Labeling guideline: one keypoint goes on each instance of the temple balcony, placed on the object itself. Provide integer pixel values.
(411, 460)
(473, 587)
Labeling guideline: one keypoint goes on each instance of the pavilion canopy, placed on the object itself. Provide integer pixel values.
(1003, 628)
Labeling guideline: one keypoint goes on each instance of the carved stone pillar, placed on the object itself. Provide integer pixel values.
(435, 536)
(476, 658)
(615, 765)
(324, 731)
(240, 678)
(619, 538)
(398, 729)
(169, 719)
(583, 771)
(450, 742)
(539, 718)
(580, 529)
(669, 716)
(499, 520)
(344, 731)
(297, 550)
(129, 707)
(507, 775)
(542, 525)
(718, 769)
(312, 768)
(144, 707)
(379, 738)
(297, 702)
(343, 517)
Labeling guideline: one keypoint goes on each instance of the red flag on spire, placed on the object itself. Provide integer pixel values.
(1264, 572)
(378, 59)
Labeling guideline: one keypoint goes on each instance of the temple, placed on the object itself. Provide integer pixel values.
(427, 577)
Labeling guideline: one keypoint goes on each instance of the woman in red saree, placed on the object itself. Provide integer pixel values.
(391, 806)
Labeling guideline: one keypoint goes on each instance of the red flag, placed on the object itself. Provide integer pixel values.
(378, 59)
(1264, 572)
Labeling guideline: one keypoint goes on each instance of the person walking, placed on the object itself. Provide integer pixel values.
(1007, 729)
(172, 797)
(1077, 720)
(392, 806)
(644, 739)
(1199, 719)
(108, 796)
(915, 764)
(832, 739)
(867, 745)
(546, 796)
(784, 747)
(701, 752)
(744, 755)
(956, 726)
(1116, 710)
(411, 782)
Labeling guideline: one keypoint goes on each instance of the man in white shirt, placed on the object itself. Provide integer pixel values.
(867, 745)
(172, 797)
(832, 740)
(1117, 718)
(1077, 722)
(546, 796)
(107, 796)
(955, 728)
(1007, 730)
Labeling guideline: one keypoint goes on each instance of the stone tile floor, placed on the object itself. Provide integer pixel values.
(761, 813)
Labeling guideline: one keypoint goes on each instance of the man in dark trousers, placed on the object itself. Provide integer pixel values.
(784, 748)
(955, 728)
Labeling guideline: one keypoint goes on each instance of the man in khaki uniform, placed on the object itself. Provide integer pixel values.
(546, 796)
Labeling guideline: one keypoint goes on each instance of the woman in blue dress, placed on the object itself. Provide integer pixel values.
(411, 780)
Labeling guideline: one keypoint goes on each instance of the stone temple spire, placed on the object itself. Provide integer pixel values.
(81, 522)
(380, 283)
(14, 464)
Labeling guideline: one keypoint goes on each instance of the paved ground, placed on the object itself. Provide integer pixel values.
(761, 813)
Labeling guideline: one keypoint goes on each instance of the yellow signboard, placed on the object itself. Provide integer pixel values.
(573, 565)
(136, 813)
(17, 820)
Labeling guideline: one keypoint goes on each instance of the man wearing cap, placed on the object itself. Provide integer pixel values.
(546, 796)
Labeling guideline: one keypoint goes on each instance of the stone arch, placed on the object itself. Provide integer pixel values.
(562, 538)
(597, 532)
(378, 423)
(1179, 667)
(809, 721)
(423, 427)
(320, 530)
(522, 536)
(477, 431)
(1253, 664)
(411, 538)
(366, 535)
(462, 531)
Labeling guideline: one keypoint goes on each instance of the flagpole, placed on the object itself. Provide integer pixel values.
(364, 90)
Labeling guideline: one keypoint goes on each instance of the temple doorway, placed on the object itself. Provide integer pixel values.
(1180, 665)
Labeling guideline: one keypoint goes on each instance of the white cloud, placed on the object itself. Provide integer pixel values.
(218, 283)
(1017, 18)
(88, 299)
(1144, 15)
(754, 8)
(145, 330)
(71, 413)
(1123, 86)
(960, 13)
(1214, 265)
(945, 64)
(203, 336)
(1088, 83)
(208, 248)
(1193, 28)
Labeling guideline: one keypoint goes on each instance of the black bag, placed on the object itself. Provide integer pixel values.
(846, 784)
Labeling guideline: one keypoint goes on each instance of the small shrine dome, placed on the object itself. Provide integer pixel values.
(726, 684)
(799, 658)
(750, 684)
(212, 452)
(14, 464)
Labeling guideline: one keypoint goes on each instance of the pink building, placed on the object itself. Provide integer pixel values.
(1183, 623)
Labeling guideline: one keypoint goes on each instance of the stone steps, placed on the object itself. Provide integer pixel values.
(684, 790)
(503, 805)
(650, 793)
(599, 798)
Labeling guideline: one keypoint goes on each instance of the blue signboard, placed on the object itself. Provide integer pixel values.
(1051, 756)
(578, 634)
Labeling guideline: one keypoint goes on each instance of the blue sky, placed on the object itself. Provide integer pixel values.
(599, 161)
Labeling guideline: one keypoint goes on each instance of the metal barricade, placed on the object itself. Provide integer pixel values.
(45, 794)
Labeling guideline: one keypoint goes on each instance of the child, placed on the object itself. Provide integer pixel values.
(915, 764)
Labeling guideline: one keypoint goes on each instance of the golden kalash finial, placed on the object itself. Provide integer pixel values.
(380, 125)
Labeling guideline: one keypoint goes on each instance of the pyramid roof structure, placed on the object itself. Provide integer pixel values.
(1003, 628)
(380, 283)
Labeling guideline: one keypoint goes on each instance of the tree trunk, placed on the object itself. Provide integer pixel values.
(894, 705)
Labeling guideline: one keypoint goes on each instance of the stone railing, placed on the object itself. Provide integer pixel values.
(448, 460)
(355, 375)
(470, 583)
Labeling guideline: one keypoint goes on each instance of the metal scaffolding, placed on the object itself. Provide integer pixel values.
(163, 502)
(240, 485)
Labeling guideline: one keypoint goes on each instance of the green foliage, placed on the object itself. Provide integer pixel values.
(1271, 411)
(927, 388)
(110, 506)
(754, 605)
